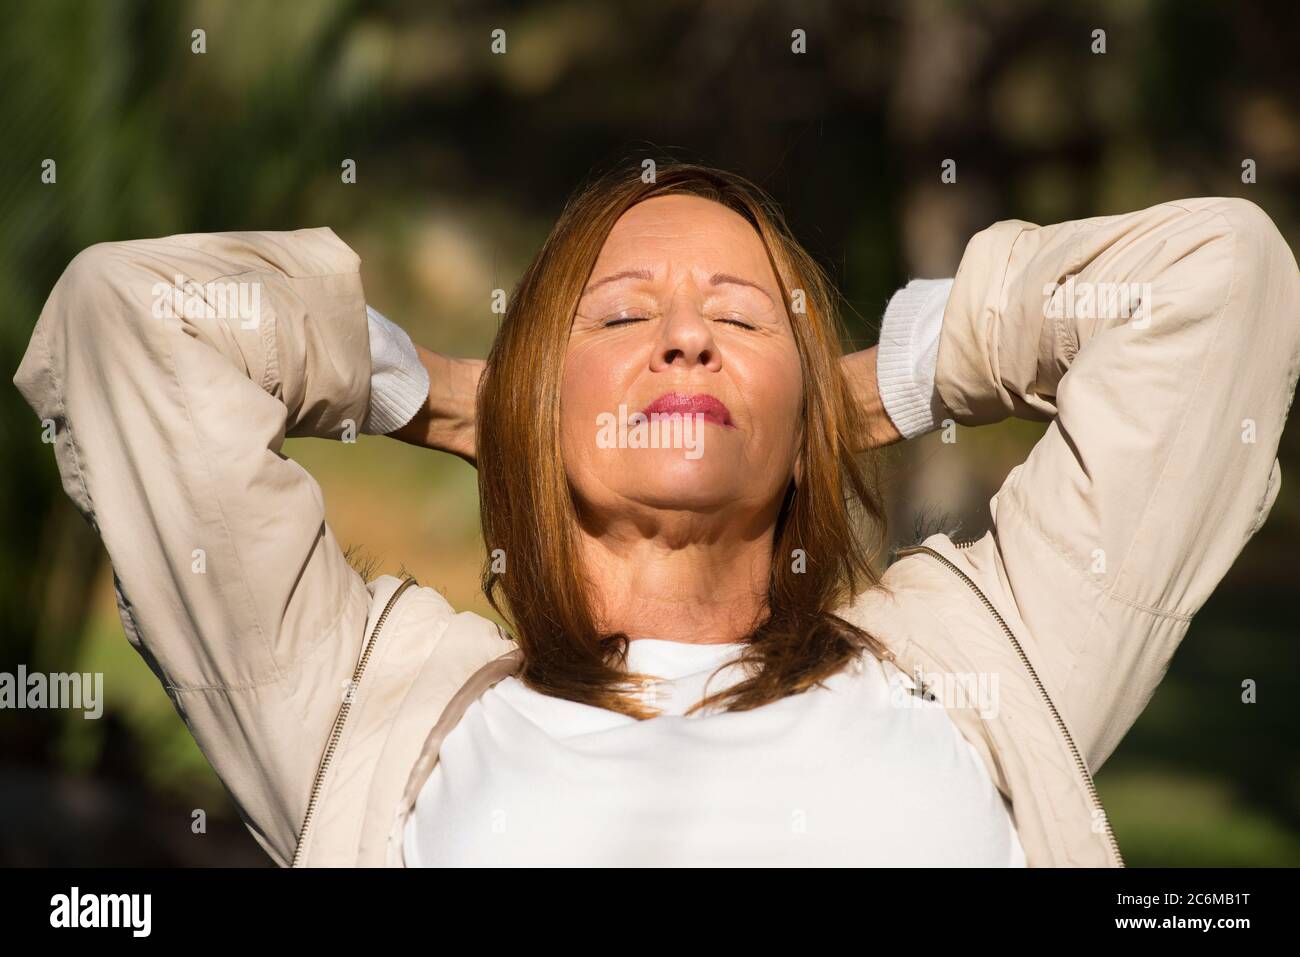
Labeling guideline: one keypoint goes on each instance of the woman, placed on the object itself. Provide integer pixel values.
(809, 711)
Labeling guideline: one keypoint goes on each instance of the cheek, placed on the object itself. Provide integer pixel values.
(595, 370)
(774, 387)
(592, 383)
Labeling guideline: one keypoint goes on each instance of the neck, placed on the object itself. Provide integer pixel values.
(680, 577)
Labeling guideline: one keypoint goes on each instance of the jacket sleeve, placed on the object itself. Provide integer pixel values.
(172, 371)
(1163, 346)
(399, 382)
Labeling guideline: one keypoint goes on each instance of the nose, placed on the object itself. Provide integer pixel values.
(685, 340)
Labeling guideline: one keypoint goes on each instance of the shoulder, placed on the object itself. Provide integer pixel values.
(422, 621)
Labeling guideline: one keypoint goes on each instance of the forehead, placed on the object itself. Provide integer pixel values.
(685, 231)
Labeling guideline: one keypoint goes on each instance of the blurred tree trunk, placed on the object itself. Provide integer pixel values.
(934, 115)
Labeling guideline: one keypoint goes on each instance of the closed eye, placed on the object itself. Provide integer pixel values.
(624, 320)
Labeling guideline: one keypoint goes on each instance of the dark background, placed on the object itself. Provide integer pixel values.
(463, 161)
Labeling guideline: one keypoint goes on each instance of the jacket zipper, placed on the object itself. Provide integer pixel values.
(340, 720)
(1042, 691)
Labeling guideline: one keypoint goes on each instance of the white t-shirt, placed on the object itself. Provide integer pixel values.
(841, 775)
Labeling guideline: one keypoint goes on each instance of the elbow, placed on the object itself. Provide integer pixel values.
(109, 291)
(1261, 287)
(79, 300)
(1262, 253)
(40, 373)
(91, 268)
(1265, 298)
(76, 331)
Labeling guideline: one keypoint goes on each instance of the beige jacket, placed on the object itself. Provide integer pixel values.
(321, 700)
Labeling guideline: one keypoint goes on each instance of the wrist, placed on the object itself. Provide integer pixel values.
(909, 343)
(446, 419)
(877, 427)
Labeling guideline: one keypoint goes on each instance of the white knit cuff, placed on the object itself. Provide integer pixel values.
(399, 382)
(908, 353)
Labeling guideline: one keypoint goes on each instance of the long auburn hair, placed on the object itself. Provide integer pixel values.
(830, 527)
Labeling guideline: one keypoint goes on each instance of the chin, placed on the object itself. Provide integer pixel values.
(667, 479)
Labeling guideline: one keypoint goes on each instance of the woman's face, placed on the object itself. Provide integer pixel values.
(682, 314)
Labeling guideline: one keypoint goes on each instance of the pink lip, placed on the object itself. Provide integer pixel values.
(713, 410)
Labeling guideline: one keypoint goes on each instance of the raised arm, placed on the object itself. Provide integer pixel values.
(1163, 346)
(168, 431)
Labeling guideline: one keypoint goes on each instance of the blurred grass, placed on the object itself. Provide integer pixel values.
(1166, 818)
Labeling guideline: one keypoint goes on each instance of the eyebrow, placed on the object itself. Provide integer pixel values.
(717, 279)
(722, 278)
(625, 274)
